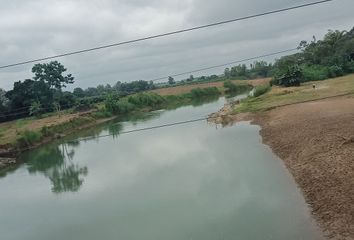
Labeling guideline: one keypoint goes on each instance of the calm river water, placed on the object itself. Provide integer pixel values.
(192, 181)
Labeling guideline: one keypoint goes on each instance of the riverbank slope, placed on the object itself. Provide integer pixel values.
(316, 142)
(312, 131)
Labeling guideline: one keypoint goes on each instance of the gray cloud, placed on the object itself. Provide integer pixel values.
(32, 29)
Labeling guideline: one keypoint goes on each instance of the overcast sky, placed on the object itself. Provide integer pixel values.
(38, 28)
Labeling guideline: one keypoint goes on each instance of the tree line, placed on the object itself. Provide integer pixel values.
(330, 57)
(318, 60)
(44, 93)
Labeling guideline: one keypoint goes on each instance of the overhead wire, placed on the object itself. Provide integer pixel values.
(142, 129)
(165, 34)
(14, 111)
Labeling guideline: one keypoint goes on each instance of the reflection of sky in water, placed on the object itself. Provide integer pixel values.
(185, 182)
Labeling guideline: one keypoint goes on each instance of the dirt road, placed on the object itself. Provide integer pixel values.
(316, 142)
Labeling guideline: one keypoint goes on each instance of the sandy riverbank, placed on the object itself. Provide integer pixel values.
(316, 142)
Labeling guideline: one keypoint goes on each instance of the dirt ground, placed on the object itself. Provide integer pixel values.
(316, 142)
(10, 128)
(187, 88)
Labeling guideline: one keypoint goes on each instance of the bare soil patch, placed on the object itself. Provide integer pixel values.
(316, 142)
(12, 128)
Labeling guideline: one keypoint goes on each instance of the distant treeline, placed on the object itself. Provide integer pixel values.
(44, 92)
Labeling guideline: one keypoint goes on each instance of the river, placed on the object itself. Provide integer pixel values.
(195, 181)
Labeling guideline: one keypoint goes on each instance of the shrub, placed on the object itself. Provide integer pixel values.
(230, 87)
(314, 73)
(28, 138)
(46, 131)
(234, 88)
(335, 71)
(83, 104)
(116, 106)
(260, 90)
(146, 99)
(36, 109)
(102, 114)
(204, 92)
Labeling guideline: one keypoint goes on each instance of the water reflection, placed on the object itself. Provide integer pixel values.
(55, 162)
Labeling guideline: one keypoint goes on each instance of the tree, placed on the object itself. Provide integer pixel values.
(191, 78)
(52, 74)
(151, 85)
(36, 109)
(171, 81)
(4, 101)
(227, 72)
(79, 92)
(25, 93)
(57, 107)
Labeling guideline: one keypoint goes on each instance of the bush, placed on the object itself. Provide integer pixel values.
(83, 104)
(260, 90)
(314, 73)
(335, 71)
(204, 92)
(28, 138)
(233, 88)
(146, 100)
(102, 114)
(123, 106)
(46, 131)
(117, 106)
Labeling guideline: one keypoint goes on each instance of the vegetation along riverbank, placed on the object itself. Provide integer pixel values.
(315, 139)
(28, 133)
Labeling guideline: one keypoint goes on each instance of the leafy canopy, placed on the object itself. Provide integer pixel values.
(52, 74)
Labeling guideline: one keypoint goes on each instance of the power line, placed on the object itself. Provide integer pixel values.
(180, 123)
(166, 34)
(143, 129)
(14, 111)
(224, 64)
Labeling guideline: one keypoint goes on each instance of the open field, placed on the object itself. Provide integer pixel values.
(187, 88)
(279, 96)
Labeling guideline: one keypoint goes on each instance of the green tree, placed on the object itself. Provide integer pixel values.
(36, 109)
(52, 74)
(79, 92)
(28, 91)
(171, 80)
(191, 78)
(4, 101)
(227, 72)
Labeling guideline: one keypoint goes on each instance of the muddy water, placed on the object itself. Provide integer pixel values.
(194, 181)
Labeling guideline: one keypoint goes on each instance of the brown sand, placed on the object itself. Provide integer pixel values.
(316, 142)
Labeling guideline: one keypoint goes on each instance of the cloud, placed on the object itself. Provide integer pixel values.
(34, 29)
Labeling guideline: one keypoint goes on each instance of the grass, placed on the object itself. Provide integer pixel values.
(260, 90)
(28, 138)
(182, 89)
(2, 130)
(279, 96)
(21, 123)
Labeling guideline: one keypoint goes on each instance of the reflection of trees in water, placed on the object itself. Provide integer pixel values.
(115, 129)
(55, 162)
